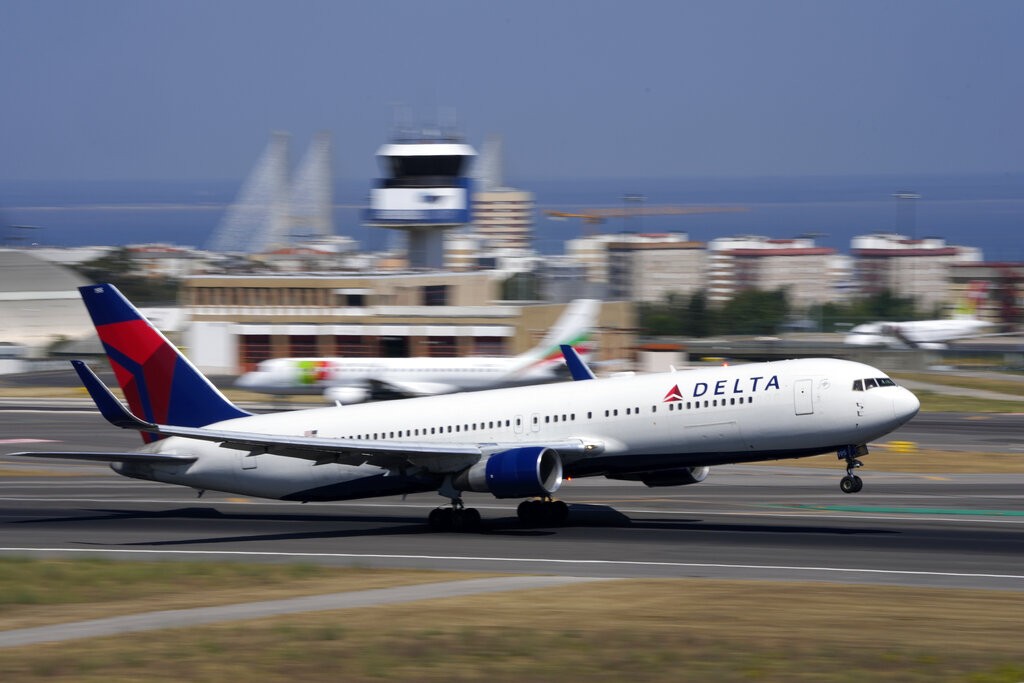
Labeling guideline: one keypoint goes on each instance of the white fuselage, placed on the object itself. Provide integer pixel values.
(916, 332)
(430, 375)
(643, 422)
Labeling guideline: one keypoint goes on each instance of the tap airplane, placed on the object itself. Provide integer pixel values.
(354, 380)
(664, 429)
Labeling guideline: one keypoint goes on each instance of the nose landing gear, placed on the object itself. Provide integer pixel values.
(851, 483)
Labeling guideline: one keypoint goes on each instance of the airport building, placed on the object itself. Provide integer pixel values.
(593, 250)
(39, 302)
(990, 290)
(237, 321)
(915, 268)
(648, 268)
(811, 274)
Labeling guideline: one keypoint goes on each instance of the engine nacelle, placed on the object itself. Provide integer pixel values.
(346, 395)
(680, 476)
(515, 473)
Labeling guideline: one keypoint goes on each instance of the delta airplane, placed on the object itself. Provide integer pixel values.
(663, 429)
(354, 380)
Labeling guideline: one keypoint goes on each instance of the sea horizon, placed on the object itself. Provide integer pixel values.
(979, 210)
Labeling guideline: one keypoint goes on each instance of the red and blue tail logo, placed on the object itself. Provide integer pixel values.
(160, 384)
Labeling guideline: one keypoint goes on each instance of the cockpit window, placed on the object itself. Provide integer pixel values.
(885, 382)
(870, 384)
(858, 385)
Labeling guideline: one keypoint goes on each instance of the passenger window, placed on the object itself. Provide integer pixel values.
(858, 385)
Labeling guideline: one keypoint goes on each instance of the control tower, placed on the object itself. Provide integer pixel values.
(425, 191)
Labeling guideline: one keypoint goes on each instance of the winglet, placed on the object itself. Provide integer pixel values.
(110, 408)
(577, 368)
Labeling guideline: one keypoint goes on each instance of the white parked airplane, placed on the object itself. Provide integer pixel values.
(661, 429)
(927, 334)
(923, 334)
(354, 380)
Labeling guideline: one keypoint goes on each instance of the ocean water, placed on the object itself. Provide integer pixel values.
(984, 211)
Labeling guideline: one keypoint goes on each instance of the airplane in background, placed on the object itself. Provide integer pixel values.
(354, 380)
(926, 334)
(663, 429)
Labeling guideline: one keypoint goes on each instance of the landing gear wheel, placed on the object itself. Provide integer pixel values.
(560, 511)
(441, 518)
(529, 512)
(466, 519)
(851, 483)
(454, 519)
(543, 512)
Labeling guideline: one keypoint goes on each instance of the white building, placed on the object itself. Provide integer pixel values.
(503, 218)
(915, 268)
(39, 302)
(811, 274)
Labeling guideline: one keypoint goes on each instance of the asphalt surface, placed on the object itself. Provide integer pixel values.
(749, 522)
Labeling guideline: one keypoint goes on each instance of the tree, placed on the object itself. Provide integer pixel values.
(119, 269)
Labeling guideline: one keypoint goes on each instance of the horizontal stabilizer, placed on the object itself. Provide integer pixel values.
(153, 458)
(110, 408)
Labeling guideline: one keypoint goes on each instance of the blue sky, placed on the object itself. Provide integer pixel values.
(190, 90)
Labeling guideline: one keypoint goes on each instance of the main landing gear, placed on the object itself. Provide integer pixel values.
(851, 483)
(456, 518)
(543, 512)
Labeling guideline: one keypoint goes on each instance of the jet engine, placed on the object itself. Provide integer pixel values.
(680, 476)
(515, 473)
(346, 395)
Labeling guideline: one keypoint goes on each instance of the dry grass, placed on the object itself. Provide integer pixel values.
(951, 379)
(39, 472)
(39, 592)
(644, 630)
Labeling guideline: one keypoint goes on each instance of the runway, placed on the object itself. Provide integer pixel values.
(749, 522)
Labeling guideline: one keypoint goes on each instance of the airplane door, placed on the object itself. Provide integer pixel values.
(802, 398)
(535, 422)
(518, 424)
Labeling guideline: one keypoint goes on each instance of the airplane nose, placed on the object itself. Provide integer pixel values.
(905, 405)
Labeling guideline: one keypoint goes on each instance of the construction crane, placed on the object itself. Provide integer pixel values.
(591, 217)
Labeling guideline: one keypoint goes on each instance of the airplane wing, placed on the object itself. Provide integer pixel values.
(395, 389)
(435, 457)
(136, 457)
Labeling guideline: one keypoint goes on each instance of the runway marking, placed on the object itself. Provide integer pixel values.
(914, 511)
(15, 441)
(808, 513)
(524, 560)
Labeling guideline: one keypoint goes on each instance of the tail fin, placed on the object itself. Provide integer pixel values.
(574, 328)
(160, 384)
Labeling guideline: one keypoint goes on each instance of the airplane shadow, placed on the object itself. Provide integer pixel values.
(582, 516)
